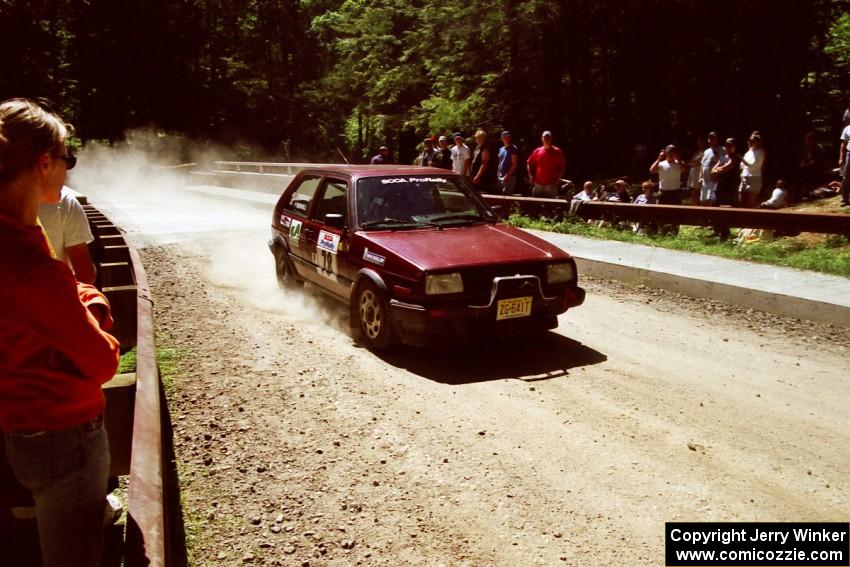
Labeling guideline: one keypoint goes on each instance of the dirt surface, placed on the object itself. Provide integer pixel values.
(295, 446)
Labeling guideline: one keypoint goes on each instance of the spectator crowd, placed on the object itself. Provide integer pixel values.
(715, 172)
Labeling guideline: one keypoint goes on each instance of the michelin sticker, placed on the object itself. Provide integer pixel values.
(329, 241)
(295, 229)
(374, 258)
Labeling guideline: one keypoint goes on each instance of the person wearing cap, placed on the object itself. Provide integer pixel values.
(508, 163)
(443, 158)
(427, 156)
(710, 157)
(546, 166)
(752, 163)
(383, 157)
(669, 168)
(461, 155)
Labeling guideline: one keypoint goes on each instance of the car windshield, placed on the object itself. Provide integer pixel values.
(412, 201)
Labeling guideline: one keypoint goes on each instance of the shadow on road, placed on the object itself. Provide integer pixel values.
(543, 357)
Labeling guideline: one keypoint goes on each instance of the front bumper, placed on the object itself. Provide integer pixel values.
(448, 322)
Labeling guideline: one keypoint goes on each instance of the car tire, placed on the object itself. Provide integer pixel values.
(286, 279)
(372, 311)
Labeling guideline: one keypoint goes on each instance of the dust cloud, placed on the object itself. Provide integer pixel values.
(156, 202)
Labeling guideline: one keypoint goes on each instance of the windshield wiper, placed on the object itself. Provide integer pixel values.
(461, 217)
(388, 222)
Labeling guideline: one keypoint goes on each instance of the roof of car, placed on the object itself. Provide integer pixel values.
(378, 170)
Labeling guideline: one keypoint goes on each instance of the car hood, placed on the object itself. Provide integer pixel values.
(455, 247)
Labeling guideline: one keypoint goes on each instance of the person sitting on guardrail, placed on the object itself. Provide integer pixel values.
(55, 352)
(812, 168)
(69, 234)
(778, 198)
(622, 191)
(647, 197)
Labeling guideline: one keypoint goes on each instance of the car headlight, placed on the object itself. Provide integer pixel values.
(560, 273)
(437, 284)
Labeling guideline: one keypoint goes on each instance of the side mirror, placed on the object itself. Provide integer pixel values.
(335, 220)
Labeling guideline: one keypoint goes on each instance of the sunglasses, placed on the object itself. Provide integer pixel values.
(70, 161)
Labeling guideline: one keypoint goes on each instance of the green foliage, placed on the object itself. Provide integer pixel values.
(305, 76)
(831, 256)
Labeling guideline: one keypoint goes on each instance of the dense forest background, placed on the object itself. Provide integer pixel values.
(298, 79)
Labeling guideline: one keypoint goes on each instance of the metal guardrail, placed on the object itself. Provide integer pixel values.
(265, 167)
(725, 217)
(122, 279)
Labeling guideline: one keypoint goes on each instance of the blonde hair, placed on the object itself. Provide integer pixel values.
(28, 130)
(480, 133)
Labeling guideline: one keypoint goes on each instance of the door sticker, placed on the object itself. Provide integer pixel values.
(374, 258)
(285, 221)
(295, 229)
(328, 241)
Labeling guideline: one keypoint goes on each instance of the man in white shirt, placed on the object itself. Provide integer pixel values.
(844, 165)
(461, 156)
(751, 168)
(68, 231)
(669, 168)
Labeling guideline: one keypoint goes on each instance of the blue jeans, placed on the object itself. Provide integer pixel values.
(67, 473)
(508, 185)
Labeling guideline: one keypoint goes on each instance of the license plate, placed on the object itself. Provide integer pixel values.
(513, 308)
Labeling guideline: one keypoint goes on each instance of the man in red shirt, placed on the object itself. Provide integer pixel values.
(546, 166)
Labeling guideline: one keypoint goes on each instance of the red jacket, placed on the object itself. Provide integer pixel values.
(54, 353)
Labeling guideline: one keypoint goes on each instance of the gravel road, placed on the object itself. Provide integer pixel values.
(297, 447)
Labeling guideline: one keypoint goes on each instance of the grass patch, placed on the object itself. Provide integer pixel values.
(828, 254)
(127, 362)
(167, 358)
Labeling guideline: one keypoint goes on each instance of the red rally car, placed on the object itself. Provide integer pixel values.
(417, 255)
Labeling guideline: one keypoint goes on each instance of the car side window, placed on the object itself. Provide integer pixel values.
(333, 200)
(299, 202)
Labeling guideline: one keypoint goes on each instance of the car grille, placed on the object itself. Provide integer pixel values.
(478, 282)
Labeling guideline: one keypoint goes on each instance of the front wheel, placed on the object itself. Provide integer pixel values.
(373, 317)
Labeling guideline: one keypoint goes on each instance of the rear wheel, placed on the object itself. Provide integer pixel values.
(283, 270)
(373, 317)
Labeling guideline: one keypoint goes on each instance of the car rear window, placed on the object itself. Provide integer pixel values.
(299, 202)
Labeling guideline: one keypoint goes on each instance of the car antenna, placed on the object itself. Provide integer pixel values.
(345, 159)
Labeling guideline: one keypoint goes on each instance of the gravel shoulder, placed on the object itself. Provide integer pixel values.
(296, 447)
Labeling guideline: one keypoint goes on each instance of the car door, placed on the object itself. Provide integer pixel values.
(325, 237)
(294, 221)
